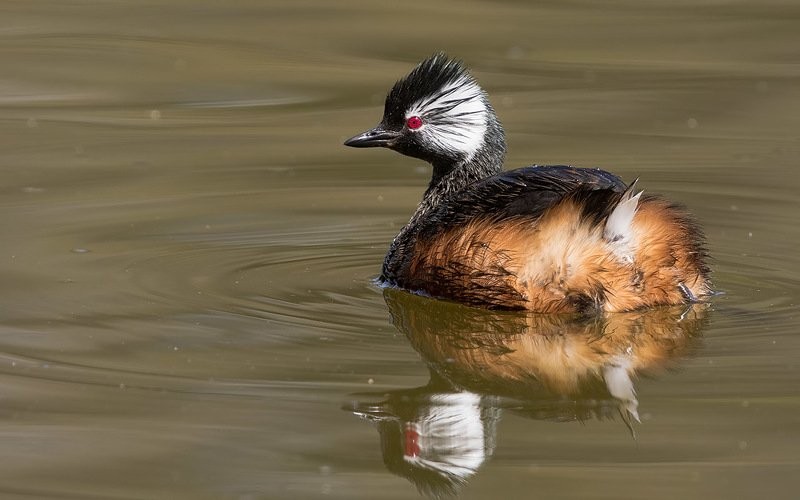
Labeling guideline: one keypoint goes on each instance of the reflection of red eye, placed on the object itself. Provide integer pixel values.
(414, 122)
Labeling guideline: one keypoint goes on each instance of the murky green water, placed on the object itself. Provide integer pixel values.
(186, 305)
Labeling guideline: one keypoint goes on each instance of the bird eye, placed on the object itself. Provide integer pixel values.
(414, 122)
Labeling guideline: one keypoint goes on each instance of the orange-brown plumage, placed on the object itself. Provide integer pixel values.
(550, 239)
(561, 262)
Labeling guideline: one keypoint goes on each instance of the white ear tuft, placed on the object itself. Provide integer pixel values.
(455, 116)
(618, 225)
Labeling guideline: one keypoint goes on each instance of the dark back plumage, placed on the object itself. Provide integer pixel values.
(525, 192)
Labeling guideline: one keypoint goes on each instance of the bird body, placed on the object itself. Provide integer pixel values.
(542, 238)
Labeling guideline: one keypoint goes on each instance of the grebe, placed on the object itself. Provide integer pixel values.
(543, 238)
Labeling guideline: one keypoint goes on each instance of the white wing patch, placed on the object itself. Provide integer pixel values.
(454, 118)
(618, 231)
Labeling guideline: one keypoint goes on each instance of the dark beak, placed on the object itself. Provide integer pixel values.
(375, 138)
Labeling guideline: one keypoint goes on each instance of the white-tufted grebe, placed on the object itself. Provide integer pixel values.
(541, 238)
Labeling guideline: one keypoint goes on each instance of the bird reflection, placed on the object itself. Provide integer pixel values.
(436, 436)
(545, 367)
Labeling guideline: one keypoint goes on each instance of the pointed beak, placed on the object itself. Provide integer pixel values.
(375, 138)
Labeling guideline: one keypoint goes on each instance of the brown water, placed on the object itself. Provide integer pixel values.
(186, 305)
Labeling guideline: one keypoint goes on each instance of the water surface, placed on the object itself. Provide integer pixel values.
(187, 307)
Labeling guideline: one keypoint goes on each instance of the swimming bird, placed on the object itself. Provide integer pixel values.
(549, 239)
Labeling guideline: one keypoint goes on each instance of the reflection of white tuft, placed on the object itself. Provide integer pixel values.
(454, 118)
(618, 381)
(451, 435)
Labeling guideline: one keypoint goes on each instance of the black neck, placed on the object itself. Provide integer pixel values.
(449, 177)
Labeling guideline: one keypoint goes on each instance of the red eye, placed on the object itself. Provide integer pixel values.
(414, 122)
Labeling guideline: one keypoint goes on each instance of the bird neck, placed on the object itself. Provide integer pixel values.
(451, 176)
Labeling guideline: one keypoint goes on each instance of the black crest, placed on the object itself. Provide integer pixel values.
(426, 80)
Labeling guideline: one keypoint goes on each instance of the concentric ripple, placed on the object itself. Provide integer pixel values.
(301, 279)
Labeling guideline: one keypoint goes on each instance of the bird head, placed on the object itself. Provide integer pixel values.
(437, 113)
